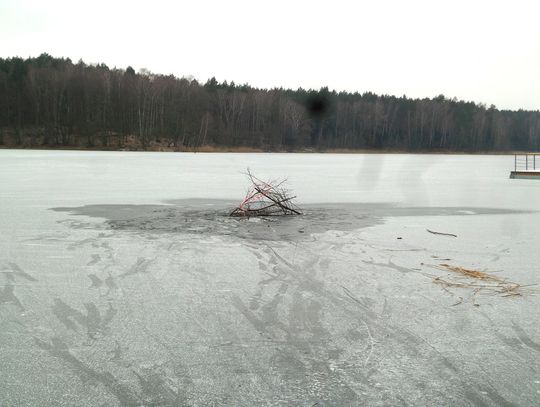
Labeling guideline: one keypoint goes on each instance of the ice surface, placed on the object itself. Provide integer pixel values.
(122, 283)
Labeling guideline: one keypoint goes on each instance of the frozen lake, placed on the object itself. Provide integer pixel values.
(122, 283)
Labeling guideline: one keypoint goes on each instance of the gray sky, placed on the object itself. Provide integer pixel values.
(486, 51)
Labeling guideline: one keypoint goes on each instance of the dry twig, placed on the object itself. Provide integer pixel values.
(441, 233)
(487, 283)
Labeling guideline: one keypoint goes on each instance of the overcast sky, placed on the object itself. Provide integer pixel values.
(485, 51)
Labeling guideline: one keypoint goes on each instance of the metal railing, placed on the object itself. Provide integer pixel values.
(527, 162)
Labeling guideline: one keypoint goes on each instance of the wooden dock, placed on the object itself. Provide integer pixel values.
(526, 166)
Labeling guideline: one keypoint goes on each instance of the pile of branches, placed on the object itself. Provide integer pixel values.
(266, 198)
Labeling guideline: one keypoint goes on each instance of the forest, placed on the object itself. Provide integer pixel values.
(53, 102)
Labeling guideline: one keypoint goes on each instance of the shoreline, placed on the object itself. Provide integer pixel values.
(220, 149)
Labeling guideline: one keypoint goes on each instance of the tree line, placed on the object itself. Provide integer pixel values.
(47, 101)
